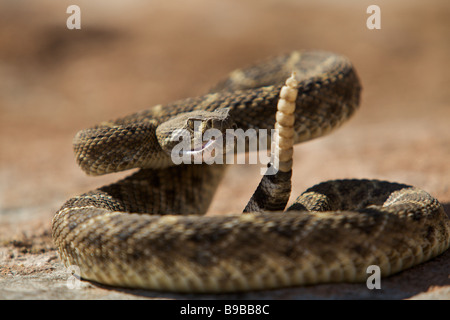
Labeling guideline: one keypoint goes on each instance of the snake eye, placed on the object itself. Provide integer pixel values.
(191, 123)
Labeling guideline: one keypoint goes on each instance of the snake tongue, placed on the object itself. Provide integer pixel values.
(205, 146)
(213, 148)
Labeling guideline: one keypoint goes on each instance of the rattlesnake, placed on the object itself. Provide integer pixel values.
(149, 230)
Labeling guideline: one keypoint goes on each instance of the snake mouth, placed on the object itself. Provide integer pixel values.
(213, 147)
(206, 146)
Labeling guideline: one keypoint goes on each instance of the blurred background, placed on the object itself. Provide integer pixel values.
(131, 55)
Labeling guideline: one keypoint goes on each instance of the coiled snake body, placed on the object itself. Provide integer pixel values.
(149, 230)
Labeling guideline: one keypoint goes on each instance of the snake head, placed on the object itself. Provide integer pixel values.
(197, 134)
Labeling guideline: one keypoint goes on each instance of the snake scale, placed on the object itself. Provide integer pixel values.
(149, 229)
